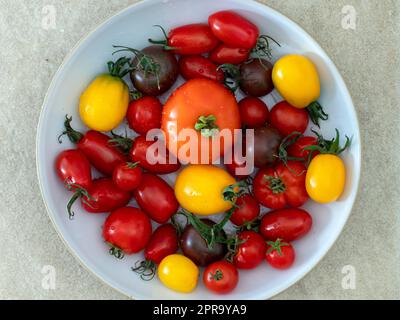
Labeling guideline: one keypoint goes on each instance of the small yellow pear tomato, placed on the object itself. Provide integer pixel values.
(104, 103)
(199, 189)
(178, 273)
(296, 78)
(326, 174)
(325, 178)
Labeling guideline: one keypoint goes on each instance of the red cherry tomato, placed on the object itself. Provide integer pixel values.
(192, 67)
(287, 224)
(73, 167)
(281, 186)
(97, 148)
(280, 255)
(190, 39)
(128, 230)
(233, 167)
(127, 176)
(297, 149)
(224, 54)
(156, 198)
(251, 252)
(288, 119)
(253, 112)
(247, 210)
(105, 196)
(221, 277)
(138, 153)
(144, 114)
(163, 243)
(233, 29)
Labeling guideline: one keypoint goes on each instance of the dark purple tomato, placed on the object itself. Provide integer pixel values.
(256, 77)
(266, 146)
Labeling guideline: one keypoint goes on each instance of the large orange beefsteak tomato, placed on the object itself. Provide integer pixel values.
(210, 110)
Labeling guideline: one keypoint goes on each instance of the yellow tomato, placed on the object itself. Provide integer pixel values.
(178, 273)
(325, 178)
(199, 189)
(103, 105)
(297, 80)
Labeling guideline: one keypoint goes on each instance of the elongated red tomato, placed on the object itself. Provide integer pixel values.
(288, 119)
(247, 209)
(73, 167)
(97, 148)
(190, 39)
(282, 186)
(156, 198)
(144, 114)
(251, 252)
(233, 29)
(226, 54)
(287, 224)
(105, 196)
(140, 152)
(192, 67)
(163, 243)
(128, 230)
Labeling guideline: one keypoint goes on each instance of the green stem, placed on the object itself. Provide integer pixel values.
(317, 113)
(73, 136)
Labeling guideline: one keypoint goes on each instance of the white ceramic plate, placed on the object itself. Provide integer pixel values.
(133, 27)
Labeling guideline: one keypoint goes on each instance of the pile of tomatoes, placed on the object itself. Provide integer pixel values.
(216, 60)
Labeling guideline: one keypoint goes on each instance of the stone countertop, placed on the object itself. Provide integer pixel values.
(367, 57)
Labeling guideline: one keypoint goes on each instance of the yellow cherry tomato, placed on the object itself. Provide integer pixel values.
(325, 178)
(103, 105)
(178, 273)
(296, 78)
(199, 189)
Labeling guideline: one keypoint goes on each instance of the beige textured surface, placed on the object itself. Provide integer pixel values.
(368, 59)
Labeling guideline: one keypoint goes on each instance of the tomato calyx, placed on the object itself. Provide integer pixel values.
(73, 135)
(135, 94)
(115, 251)
(207, 126)
(287, 142)
(117, 69)
(276, 185)
(233, 244)
(132, 165)
(317, 113)
(232, 76)
(218, 275)
(146, 269)
(250, 226)
(263, 47)
(79, 192)
(164, 43)
(329, 146)
(276, 246)
(234, 191)
(123, 143)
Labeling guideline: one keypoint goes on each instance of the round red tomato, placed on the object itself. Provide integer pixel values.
(287, 224)
(288, 119)
(296, 149)
(221, 277)
(281, 186)
(280, 255)
(251, 252)
(224, 54)
(127, 176)
(233, 29)
(247, 210)
(192, 67)
(156, 198)
(144, 114)
(128, 230)
(104, 197)
(253, 112)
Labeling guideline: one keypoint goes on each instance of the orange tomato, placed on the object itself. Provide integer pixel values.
(210, 110)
